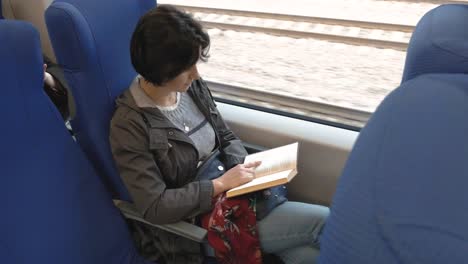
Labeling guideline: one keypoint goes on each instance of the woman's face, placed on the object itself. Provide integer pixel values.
(182, 82)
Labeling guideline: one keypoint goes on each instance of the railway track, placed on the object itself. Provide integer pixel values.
(362, 33)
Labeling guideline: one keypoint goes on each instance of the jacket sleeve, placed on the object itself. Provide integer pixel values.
(231, 146)
(144, 181)
(67, 104)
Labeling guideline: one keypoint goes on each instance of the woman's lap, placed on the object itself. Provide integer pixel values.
(291, 231)
(292, 225)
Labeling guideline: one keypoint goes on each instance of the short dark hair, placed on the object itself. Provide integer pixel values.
(167, 42)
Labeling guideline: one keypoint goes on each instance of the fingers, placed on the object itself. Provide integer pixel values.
(253, 164)
(246, 177)
(248, 173)
(249, 170)
(240, 174)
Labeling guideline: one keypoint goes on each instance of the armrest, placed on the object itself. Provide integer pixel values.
(181, 228)
(252, 148)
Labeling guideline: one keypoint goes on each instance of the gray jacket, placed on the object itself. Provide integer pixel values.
(158, 163)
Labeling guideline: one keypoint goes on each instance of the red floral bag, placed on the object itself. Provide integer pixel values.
(232, 230)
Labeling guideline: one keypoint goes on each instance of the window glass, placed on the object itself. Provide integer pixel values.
(315, 68)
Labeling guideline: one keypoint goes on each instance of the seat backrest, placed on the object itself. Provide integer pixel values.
(55, 208)
(91, 40)
(402, 196)
(438, 44)
(33, 12)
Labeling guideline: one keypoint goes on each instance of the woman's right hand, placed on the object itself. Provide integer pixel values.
(238, 175)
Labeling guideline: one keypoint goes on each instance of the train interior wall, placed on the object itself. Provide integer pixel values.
(323, 149)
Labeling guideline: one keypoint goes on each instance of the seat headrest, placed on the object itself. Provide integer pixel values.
(439, 43)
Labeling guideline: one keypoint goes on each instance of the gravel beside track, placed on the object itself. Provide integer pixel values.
(346, 75)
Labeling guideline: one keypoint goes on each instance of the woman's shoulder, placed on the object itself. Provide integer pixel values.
(127, 118)
(127, 129)
(126, 132)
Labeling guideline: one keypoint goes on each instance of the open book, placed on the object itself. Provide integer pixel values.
(279, 166)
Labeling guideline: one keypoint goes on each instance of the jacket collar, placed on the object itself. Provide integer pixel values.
(156, 118)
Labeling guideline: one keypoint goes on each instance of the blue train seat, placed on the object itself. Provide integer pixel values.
(33, 11)
(402, 197)
(91, 40)
(55, 207)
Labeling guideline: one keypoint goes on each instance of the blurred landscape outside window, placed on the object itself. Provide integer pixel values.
(351, 76)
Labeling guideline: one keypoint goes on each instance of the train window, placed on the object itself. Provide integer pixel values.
(333, 59)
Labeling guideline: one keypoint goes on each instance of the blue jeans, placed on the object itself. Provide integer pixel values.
(291, 231)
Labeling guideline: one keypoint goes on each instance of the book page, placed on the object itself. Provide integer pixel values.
(267, 181)
(275, 160)
(282, 175)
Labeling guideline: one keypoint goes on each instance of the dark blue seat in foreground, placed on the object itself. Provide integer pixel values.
(55, 209)
(403, 195)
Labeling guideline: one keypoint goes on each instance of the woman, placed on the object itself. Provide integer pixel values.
(166, 123)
